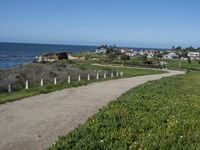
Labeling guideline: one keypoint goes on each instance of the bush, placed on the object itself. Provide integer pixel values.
(35, 72)
(125, 57)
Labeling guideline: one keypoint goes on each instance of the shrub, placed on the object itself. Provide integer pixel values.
(125, 57)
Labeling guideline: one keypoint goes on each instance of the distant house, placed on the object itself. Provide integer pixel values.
(170, 56)
(141, 52)
(150, 54)
(131, 54)
(52, 57)
(123, 51)
(126, 50)
(183, 58)
(193, 55)
(101, 51)
(136, 53)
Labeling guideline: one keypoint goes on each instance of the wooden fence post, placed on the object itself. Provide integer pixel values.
(41, 82)
(97, 76)
(55, 80)
(104, 75)
(9, 88)
(79, 77)
(88, 77)
(69, 79)
(26, 86)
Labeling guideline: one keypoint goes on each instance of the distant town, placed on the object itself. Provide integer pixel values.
(114, 52)
(173, 53)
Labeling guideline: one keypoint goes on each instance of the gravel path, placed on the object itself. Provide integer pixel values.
(34, 123)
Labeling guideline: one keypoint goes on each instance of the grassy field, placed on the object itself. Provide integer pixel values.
(127, 71)
(16, 95)
(163, 114)
(183, 64)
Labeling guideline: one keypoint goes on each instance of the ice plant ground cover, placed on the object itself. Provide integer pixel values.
(162, 114)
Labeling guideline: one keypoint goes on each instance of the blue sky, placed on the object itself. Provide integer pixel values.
(136, 23)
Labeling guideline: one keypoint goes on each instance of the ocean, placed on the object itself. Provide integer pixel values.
(13, 54)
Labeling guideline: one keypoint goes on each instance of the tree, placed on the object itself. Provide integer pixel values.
(179, 48)
(190, 49)
(111, 49)
(144, 57)
(103, 46)
(112, 56)
(159, 55)
(189, 60)
(125, 57)
(184, 54)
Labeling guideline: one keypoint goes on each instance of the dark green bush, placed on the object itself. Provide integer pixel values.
(125, 57)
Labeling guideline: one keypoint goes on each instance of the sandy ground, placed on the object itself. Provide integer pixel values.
(34, 123)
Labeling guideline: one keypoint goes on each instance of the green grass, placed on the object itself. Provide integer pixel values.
(16, 95)
(184, 64)
(8, 97)
(163, 114)
(127, 71)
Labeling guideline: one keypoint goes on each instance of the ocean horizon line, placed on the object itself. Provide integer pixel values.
(84, 45)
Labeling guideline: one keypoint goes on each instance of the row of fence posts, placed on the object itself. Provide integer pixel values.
(68, 80)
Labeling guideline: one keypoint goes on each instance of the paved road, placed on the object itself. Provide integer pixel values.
(34, 123)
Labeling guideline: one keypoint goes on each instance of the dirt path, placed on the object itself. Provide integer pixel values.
(34, 123)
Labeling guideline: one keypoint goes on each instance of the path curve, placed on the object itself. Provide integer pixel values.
(34, 123)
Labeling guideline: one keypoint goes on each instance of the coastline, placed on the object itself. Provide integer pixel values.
(13, 54)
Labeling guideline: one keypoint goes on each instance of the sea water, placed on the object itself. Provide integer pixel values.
(12, 54)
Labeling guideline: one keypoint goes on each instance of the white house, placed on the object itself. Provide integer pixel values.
(123, 50)
(126, 50)
(170, 56)
(131, 54)
(150, 54)
(193, 55)
(101, 51)
(135, 53)
(141, 52)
